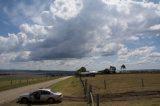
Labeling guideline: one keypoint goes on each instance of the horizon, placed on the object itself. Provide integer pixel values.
(150, 70)
(67, 35)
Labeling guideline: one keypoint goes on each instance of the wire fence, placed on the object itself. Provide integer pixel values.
(9, 82)
(119, 90)
(89, 94)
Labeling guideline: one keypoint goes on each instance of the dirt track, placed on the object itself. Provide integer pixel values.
(130, 96)
(127, 96)
(9, 95)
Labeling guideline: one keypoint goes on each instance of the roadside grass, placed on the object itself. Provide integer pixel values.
(15, 81)
(119, 83)
(69, 87)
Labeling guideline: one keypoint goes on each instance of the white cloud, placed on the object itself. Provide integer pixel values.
(110, 49)
(123, 54)
(8, 43)
(155, 27)
(66, 10)
(142, 55)
(155, 54)
(82, 28)
(36, 30)
(140, 18)
(143, 51)
(134, 38)
(7, 57)
(22, 56)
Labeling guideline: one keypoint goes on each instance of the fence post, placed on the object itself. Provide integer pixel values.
(11, 82)
(105, 84)
(85, 87)
(142, 83)
(20, 81)
(89, 96)
(90, 88)
(27, 81)
(97, 97)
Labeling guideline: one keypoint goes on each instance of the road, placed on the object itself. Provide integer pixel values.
(12, 94)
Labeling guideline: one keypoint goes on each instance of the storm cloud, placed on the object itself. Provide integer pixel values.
(84, 28)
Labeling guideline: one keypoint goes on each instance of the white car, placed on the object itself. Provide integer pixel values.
(41, 95)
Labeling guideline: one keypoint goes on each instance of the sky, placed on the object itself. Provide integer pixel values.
(69, 34)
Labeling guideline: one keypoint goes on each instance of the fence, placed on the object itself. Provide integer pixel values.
(88, 93)
(11, 82)
(114, 89)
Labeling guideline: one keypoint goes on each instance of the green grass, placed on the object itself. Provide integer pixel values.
(119, 83)
(15, 81)
(69, 87)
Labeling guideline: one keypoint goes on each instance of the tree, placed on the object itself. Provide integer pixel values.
(106, 71)
(123, 67)
(82, 69)
(112, 69)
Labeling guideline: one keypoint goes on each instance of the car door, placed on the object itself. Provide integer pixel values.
(45, 95)
(35, 96)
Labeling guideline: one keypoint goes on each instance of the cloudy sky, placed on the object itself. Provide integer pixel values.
(68, 34)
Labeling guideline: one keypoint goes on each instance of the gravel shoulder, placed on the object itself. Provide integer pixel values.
(10, 95)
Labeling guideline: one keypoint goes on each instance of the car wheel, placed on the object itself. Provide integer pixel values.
(50, 100)
(24, 100)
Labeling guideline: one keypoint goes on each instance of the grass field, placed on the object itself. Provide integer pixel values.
(14, 81)
(119, 83)
(147, 102)
(124, 84)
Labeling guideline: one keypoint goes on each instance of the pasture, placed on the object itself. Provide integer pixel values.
(126, 89)
(14, 81)
(120, 90)
(120, 83)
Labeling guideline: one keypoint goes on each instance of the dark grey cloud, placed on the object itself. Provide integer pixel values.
(70, 38)
(69, 31)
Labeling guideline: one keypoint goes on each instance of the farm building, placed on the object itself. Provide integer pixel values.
(87, 74)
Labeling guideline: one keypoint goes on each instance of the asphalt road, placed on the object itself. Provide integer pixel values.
(12, 94)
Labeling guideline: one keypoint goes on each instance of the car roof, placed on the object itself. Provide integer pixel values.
(44, 89)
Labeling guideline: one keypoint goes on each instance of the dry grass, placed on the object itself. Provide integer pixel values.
(119, 83)
(14, 81)
(148, 102)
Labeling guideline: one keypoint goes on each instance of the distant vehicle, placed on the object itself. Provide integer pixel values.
(87, 74)
(41, 95)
